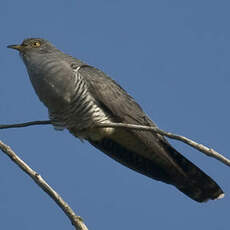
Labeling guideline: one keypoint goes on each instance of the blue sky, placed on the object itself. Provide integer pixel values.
(171, 56)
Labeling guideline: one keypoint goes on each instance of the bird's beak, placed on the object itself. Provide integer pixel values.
(16, 47)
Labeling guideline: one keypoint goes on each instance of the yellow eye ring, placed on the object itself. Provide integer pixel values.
(36, 44)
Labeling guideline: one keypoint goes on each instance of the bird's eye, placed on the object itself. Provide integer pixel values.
(36, 44)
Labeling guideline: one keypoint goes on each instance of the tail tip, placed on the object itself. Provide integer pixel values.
(221, 196)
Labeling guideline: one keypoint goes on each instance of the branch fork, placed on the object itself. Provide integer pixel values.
(76, 220)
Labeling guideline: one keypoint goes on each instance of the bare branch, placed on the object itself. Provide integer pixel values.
(76, 220)
(20, 125)
(208, 151)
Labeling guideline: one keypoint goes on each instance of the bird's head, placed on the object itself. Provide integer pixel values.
(37, 45)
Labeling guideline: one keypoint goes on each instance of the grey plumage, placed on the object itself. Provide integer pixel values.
(79, 96)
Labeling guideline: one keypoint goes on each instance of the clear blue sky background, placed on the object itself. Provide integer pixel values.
(171, 56)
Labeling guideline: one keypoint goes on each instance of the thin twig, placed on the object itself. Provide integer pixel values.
(202, 148)
(76, 220)
(20, 125)
(208, 151)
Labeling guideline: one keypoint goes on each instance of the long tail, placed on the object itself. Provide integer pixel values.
(192, 181)
(197, 184)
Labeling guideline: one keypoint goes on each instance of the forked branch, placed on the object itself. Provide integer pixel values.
(76, 220)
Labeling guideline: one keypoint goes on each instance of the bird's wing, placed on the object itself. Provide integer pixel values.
(146, 152)
(113, 98)
(122, 108)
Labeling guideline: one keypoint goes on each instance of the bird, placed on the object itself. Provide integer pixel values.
(79, 97)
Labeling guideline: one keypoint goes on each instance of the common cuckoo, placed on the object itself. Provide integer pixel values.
(79, 97)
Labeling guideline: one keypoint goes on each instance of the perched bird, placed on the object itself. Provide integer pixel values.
(79, 97)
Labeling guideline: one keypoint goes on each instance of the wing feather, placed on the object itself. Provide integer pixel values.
(123, 108)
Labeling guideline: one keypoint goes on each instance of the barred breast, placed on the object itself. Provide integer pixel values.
(83, 112)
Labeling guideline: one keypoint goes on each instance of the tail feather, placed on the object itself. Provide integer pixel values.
(197, 185)
(193, 182)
